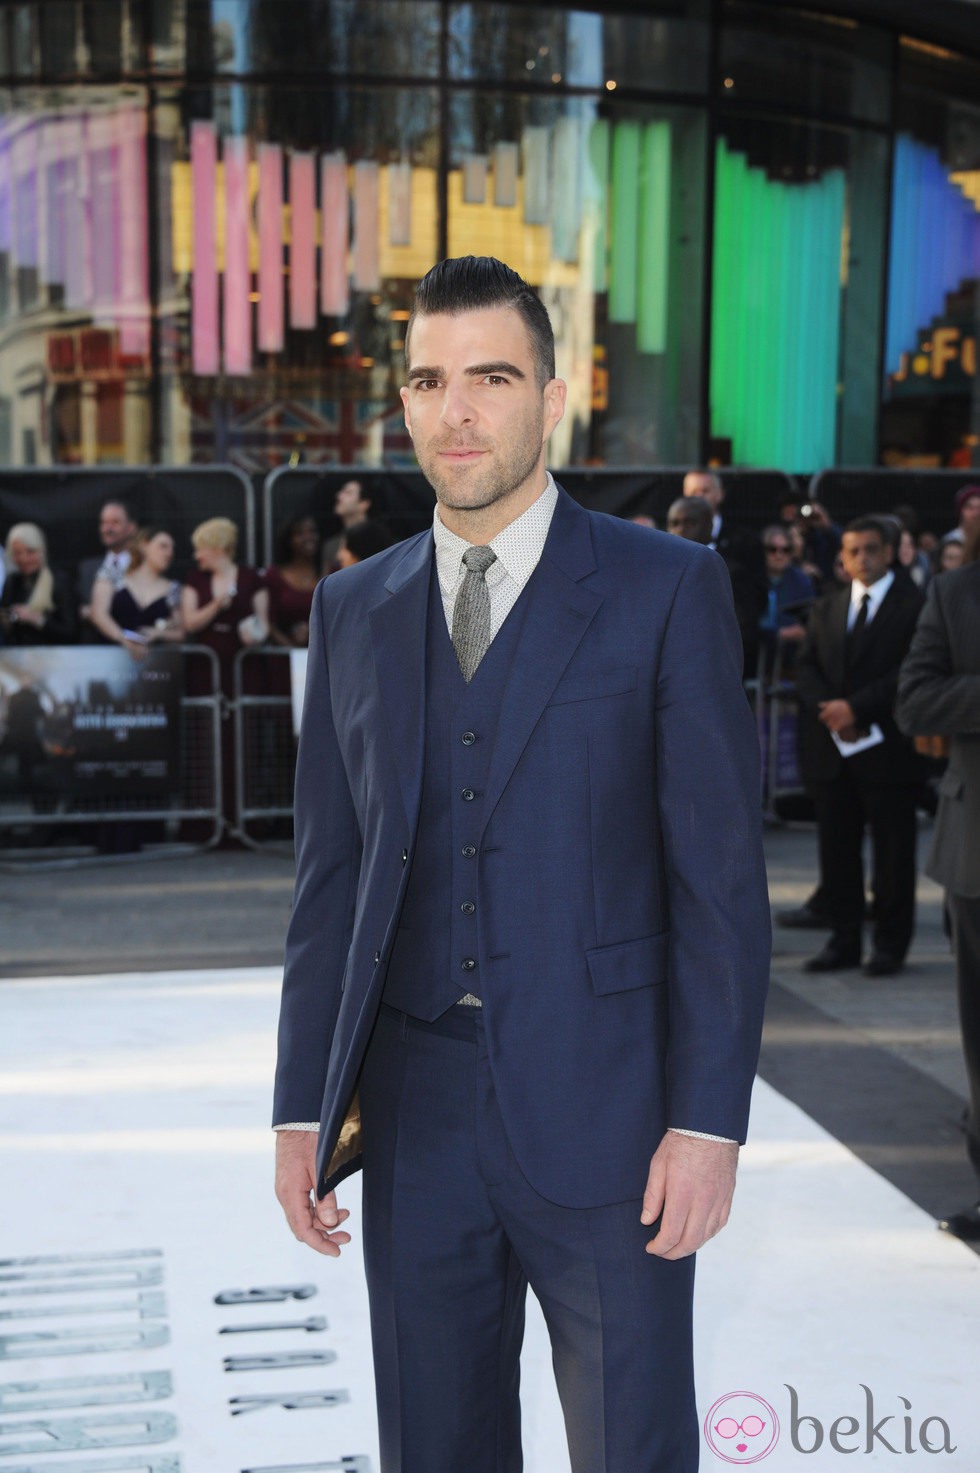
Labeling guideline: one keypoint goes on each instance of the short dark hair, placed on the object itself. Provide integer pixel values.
(470, 283)
(364, 539)
(870, 524)
(122, 503)
(283, 550)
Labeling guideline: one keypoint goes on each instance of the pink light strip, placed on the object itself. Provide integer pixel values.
(237, 283)
(271, 296)
(367, 272)
(204, 283)
(334, 235)
(302, 247)
(134, 269)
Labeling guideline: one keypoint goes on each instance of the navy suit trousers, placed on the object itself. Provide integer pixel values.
(453, 1236)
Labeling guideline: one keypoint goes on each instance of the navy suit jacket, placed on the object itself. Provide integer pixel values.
(624, 932)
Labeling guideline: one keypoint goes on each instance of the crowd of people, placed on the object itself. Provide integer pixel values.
(876, 628)
(128, 596)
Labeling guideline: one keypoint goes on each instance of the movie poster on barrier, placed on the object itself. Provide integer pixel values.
(89, 722)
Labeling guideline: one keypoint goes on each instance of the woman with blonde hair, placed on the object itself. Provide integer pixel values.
(224, 604)
(34, 605)
(144, 608)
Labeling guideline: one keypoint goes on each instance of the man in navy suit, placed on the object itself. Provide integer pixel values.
(529, 948)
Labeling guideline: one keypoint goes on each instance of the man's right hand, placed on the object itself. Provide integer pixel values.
(313, 1222)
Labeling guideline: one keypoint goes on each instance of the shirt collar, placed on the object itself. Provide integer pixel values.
(877, 590)
(518, 546)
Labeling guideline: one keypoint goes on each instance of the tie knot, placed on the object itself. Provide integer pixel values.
(478, 559)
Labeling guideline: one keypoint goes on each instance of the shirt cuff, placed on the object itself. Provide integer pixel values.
(299, 1125)
(697, 1135)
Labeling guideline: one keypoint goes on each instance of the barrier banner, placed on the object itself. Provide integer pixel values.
(89, 722)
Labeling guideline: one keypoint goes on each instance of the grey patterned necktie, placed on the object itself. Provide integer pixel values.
(471, 615)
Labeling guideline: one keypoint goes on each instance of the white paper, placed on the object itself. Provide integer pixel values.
(848, 749)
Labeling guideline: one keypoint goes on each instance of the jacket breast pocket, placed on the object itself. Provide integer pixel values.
(629, 965)
(617, 680)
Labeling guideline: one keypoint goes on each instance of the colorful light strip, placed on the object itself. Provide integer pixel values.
(204, 281)
(302, 240)
(271, 304)
(935, 245)
(237, 282)
(334, 235)
(775, 320)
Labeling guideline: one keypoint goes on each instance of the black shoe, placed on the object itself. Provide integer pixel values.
(883, 964)
(834, 958)
(803, 919)
(964, 1225)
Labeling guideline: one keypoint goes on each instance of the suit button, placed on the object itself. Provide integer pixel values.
(377, 957)
(467, 907)
(469, 737)
(468, 964)
(467, 795)
(468, 851)
(404, 856)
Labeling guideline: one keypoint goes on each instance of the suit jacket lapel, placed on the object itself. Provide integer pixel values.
(398, 626)
(558, 612)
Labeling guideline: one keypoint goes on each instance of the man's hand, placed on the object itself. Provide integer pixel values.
(838, 716)
(691, 1183)
(313, 1222)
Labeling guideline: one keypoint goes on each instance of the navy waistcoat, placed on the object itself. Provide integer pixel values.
(436, 958)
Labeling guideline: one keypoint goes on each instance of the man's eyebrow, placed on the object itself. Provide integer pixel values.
(477, 370)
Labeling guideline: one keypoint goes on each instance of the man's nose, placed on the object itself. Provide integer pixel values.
(457, 405)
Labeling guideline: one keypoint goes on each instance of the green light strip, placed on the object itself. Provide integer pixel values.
(654, 236)
(775, 318)
(625, 222)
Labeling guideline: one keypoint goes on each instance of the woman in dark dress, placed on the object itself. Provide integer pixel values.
(291, 581)
(35, 606)
(224, 605)
(145, 609)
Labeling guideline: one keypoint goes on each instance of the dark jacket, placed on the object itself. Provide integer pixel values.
(869, 681)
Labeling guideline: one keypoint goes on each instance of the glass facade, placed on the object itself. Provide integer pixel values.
(757, 228)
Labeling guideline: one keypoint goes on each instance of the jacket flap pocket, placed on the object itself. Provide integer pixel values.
(951, 785)
(629, 964)
(615, 681)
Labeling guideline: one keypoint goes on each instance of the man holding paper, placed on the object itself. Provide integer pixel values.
(861, 771)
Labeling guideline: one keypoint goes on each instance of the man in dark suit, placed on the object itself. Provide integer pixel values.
(847, 678)
(939, 694)
(117, 528)
(530, 928)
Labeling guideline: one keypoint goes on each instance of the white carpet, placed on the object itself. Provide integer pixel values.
(136, 1163)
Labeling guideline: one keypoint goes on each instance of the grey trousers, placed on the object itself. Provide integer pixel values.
(964, 913)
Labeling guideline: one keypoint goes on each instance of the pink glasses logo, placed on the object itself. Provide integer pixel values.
(741, 1428)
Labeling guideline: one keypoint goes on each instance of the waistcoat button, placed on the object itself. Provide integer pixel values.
(468, 964)
(468, 851)
(467, 907)
(467, 795)
(469, 737)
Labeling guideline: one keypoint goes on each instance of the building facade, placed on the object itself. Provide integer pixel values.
(756, 226)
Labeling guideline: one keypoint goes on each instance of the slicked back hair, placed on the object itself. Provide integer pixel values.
(472, 283)
(870, 524)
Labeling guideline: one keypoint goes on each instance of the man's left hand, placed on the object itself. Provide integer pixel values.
(691, 1182)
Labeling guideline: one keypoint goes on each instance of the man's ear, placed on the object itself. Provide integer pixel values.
(555, 394)
(403, 392)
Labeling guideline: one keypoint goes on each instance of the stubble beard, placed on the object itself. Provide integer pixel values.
(479, 486)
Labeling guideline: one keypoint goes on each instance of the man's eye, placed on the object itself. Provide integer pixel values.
(495, 378)
(426, 383)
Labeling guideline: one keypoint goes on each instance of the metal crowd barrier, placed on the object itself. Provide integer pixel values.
(81, 829)
(775, 704)
(265, 746)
